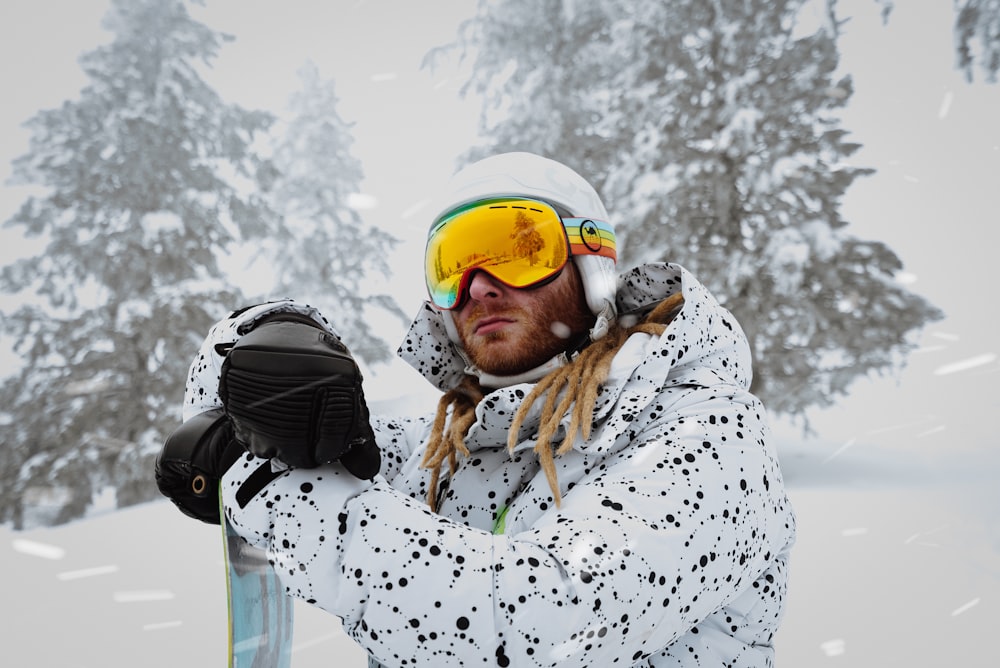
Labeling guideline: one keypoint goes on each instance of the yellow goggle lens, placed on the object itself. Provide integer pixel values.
(518, 241)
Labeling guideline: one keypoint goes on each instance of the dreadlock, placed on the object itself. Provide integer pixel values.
(444, 442)
(577, 383)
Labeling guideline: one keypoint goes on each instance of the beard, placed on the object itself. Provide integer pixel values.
(557, 320)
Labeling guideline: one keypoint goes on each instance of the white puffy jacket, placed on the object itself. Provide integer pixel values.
(670, 546)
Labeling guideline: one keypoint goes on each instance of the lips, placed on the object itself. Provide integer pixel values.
(491, 324)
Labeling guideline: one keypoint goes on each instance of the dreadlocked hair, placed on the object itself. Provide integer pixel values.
(572, 387)
(445, 442)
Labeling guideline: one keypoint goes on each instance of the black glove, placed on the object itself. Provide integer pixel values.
(192, 461)
(291, 390)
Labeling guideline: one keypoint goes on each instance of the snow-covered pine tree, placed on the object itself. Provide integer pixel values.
(143, 181)
(323, 250)
(976, 35)
(710, 129)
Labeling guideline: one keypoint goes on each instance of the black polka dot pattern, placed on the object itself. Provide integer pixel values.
(670, 547)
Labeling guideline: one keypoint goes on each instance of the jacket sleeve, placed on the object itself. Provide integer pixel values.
(400, 439)
(645, 547)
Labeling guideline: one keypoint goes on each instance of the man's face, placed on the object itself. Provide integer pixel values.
(507, 331)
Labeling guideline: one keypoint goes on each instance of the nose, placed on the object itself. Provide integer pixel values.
(482, 286)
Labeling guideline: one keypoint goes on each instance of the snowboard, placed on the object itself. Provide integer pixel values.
(260, 613)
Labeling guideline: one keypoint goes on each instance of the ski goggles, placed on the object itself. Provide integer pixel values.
(520, 242)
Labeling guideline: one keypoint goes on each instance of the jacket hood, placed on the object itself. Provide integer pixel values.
(705, 337)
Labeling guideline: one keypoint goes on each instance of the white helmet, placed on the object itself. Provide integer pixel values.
(521, 174)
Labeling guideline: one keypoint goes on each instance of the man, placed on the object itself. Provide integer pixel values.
(597, 488)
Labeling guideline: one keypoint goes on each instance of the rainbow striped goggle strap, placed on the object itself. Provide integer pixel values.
(520, 242)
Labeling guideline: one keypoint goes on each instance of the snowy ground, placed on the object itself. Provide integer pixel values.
(898, 560)
(898, 563)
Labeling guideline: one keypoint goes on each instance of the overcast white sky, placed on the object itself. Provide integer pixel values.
(932, 137)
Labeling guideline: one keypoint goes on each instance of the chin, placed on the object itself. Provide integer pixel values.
(502, 355)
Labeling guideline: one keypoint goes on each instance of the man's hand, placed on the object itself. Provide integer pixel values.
(292, 390)
(192, 461)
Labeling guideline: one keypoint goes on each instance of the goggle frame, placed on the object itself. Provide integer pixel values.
(578, 236)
